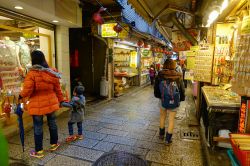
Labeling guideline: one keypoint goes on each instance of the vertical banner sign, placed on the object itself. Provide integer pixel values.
(244, 116)
(133, 59)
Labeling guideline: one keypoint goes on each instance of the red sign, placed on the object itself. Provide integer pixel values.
(244, 118)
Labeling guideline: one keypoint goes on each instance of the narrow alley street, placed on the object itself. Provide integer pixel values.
(128, 123)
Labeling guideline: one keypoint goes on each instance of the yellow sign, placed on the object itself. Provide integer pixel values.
(133, 59)
(245, 27)
(108, 31)
(190, 62)
(194, 48)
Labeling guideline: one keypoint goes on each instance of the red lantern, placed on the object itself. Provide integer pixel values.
(97, 16)
(140, 43)
(117, 28)
(146, 45)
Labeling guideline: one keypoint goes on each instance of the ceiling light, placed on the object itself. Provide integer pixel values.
(224, 5)
(55, 21)
(18, 7)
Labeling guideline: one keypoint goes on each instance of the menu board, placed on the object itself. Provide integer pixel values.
(203, 63)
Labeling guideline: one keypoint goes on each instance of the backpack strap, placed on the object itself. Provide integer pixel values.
(163, 90)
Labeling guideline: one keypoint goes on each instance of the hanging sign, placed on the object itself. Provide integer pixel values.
(245, 27)
(146, 53)
(107, 30)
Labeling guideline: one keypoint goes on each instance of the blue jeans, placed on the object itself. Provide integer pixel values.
(38, 130)
(71, 130)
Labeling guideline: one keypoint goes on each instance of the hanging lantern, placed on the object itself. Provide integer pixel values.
(146, 45)
(97, 16)
(117, 28)
(140, 43)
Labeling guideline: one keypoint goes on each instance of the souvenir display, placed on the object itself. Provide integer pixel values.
(23, 53)
(125, 63)
(14, 62)
(203, 64)
(223, 65)
(241, 75)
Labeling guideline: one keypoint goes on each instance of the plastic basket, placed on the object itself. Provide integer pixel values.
(243, 156)
(233, 158)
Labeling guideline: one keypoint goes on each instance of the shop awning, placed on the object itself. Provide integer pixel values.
(159, 11)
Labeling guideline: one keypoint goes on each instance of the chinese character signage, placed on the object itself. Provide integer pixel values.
(244, 117)
(108, 31)
(133, 59)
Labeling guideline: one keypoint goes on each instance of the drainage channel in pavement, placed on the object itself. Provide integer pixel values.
(190, 134)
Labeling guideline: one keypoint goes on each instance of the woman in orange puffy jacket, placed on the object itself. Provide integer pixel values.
(42, 88)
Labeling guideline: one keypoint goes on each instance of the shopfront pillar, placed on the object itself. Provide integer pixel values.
(62, 54)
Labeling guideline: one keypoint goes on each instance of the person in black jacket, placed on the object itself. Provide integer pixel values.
(171, 75)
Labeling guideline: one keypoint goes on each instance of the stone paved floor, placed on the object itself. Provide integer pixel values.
(128, 123)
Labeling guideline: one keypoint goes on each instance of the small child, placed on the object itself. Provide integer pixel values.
(77, 105)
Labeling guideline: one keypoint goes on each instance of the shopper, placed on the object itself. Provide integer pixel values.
(183, 67)
(77, 106)
(170, 90)
(42, 88)
(152, 74)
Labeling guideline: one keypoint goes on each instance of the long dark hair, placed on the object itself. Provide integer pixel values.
(38, 58)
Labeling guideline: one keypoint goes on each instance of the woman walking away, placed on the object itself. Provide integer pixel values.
(152, 74)
(42, 88)
(167, 88)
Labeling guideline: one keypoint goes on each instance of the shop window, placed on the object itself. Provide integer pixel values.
(17, 40)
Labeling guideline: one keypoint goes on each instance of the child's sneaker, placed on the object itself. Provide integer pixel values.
(71, 138)
(80, 137)
(38, 154)
(53, 147)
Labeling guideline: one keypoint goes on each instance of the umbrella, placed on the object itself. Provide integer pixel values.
(19, 112)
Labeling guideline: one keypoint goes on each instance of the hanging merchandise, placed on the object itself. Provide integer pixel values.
(117, 28)
(241, 77)
(97, 16)
(140, 43)
(6, 107)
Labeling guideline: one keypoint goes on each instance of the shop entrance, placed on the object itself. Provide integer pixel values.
(87, 60)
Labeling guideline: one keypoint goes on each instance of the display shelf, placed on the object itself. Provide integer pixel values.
(122, 66)
(144, 74)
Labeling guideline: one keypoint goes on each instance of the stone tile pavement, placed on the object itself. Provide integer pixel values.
(128, 123)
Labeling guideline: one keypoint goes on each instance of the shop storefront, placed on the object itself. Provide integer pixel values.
(17, 40)
(218, 68)
(20, 35)
(147, 59)
(125, 67)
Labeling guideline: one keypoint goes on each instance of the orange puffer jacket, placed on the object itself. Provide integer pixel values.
(42, 87)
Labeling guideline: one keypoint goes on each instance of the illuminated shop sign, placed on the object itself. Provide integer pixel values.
(108, 31)
(244, 118)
